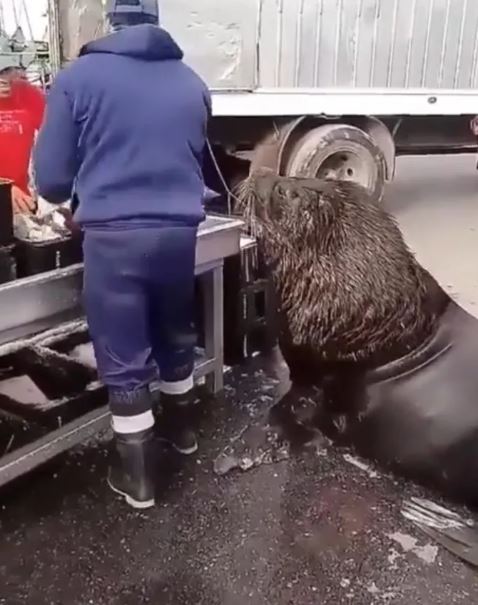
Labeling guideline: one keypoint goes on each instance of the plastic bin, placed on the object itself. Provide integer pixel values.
(8, 264)
(39, 257)
(6, 213)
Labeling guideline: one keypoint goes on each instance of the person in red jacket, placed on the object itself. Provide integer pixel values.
(22, 107)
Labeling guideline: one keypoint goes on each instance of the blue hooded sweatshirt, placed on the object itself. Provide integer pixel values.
(125, 130)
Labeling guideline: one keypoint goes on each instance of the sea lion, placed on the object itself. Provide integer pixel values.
(367, 333)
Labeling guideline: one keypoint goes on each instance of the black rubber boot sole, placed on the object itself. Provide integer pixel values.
(132, 469)
(182, 450)
(136, 504)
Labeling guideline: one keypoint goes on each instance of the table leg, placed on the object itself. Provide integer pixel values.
(214, 326)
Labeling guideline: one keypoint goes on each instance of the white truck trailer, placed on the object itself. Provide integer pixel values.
(332, 88)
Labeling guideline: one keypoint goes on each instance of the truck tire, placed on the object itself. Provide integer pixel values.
(339, 152)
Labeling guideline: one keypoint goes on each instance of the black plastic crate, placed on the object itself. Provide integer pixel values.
(6, 213)
(39, 257)
(249, 318)
(8, 264)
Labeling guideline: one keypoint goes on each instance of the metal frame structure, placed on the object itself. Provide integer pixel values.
(338, 102)
(42, 300)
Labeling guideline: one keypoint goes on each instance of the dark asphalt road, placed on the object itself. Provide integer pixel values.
(312, 529)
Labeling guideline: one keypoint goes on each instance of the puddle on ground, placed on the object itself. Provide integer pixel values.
(427, 553)
(285, 427)
(256, 445)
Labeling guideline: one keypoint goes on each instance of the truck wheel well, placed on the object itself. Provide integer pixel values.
(294, 130)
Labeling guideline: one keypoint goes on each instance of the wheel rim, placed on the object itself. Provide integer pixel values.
(347, 166)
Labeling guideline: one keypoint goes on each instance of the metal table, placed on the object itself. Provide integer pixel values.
(39, 309)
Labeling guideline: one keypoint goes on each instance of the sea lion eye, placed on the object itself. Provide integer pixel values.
(281, 191)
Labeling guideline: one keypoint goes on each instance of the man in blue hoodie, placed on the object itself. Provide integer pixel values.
(125, 131)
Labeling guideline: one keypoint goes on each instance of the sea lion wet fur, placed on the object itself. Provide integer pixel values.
(380, 358)
(348, 288)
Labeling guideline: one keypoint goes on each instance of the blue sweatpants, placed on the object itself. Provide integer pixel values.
(139, 301)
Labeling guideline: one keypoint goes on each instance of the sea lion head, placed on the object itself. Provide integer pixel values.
(347, 286)
(297, 212)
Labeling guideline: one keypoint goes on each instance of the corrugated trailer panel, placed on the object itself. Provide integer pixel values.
(368, 43)
(326, 44)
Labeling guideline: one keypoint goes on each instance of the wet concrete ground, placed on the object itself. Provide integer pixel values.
(435, 199)
(314, 529)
